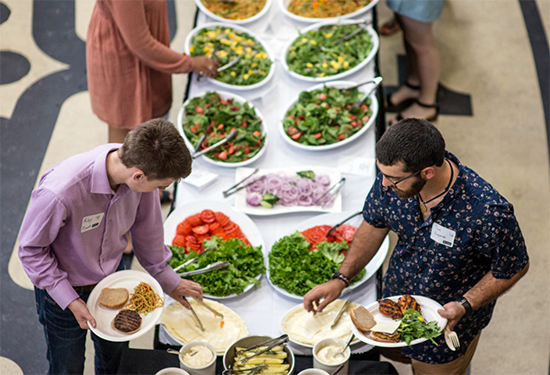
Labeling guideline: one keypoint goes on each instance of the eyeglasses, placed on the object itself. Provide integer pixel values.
(402, 179)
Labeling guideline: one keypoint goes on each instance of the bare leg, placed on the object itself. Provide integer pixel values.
(420, 38)
(117, 135)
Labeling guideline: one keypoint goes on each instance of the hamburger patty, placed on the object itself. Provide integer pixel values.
(408, 302)
(127, 321)
(389, 308)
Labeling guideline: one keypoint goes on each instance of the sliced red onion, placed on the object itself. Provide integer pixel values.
(254, 199)
(305, 186)
(305, 200)
(323, 179)
(257, 187)
(273, 183)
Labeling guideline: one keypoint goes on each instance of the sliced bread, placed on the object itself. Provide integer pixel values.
(113, 298)
(362, 319)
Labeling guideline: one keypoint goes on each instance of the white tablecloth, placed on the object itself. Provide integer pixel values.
(262, 309)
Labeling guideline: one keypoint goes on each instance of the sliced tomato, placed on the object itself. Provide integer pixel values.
(200, 239)
(201, 229)
(222, 218)
(208, 216)
(347, 232)
(184, 228)
(195, 220)
(316, 234)
(179, 240)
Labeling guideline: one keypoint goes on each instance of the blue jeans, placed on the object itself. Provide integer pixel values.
(66, 341)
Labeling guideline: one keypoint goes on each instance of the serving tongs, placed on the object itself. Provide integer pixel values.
(339, 315)
(195, 316)
(334, 228)
(338, 186)
(363, 24)
(204, 304)
(235, 188)
(191, 261)
(269, 343)
(209, 268)
(230, 137)
(229, 64)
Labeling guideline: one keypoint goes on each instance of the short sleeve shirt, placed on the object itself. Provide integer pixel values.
(488, 239)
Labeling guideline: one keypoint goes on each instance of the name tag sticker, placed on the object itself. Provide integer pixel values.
(443, 235)
(91, 222)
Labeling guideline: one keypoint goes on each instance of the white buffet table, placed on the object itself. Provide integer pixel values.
(262, 309)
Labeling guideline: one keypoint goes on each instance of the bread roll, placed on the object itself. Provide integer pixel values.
(113, 298)
(362, 319)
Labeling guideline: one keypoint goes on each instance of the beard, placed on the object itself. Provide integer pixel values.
(417, 186)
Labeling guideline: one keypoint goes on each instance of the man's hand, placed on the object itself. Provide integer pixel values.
(453, 311)
(186, 288)
(81, 313)
(328, 292)
(206, 65)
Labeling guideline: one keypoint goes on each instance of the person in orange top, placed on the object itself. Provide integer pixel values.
(130, 63)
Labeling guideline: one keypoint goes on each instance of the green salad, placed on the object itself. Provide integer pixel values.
(413, 326)
(315, 53)
(218, 117)
(326, 116)
(296, 269)
(247, 263)
(225, 44)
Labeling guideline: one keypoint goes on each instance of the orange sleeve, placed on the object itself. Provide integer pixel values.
(130, 19)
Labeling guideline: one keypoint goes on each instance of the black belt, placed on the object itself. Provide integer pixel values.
(84, 289)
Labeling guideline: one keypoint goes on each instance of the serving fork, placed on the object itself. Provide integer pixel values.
(451, 338)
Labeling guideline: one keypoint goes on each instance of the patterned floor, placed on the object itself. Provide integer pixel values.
(494, 101)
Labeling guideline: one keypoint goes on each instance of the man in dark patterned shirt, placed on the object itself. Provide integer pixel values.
(459, 242)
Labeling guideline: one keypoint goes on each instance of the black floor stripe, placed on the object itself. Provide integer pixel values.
(541, 54)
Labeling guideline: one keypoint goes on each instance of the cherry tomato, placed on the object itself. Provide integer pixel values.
(341, 136)
(297, 136)
(199, 110)
(223, 155)
(322, 97)
(318, 135)
(256, 134)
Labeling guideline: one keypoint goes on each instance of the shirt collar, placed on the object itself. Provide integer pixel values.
(458, 185)
(100, 180)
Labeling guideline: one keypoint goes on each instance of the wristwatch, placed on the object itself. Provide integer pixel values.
(466, 304)
(340, 276)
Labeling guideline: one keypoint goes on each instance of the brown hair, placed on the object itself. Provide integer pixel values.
(415, 142)
(157, 149)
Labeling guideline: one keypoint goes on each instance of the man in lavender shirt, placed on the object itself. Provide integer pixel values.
(74, 235)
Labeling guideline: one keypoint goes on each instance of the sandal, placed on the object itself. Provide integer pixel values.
(389, 27)
(391, 107)
(400, 117)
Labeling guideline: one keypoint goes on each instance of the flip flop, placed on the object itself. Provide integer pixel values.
(400, 117)
(389, 27)
(391, 107)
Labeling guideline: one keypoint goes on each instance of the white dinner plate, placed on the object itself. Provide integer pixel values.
(256, 17)
(358, 67)
(128, 279)
(283, 4)
(278, 209)
(428, 308)
(340, 85)
(249, 229)
(195, 31)
(223, 95)
(333, 219)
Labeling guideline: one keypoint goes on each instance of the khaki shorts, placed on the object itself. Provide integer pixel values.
(456, 367)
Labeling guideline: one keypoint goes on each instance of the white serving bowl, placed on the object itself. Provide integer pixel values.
(256, 17)
(208, 369)
(358, 67)
(237, 98)
(195, 31)
(340, 85)
(331, 367)
(283, 4)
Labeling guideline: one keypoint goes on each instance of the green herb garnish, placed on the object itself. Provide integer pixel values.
(413, 326)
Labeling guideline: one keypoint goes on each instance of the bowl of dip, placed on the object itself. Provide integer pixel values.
(198, 358)
(324, 356)
(172, 371)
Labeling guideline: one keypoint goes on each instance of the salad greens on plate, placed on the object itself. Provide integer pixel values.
(326, 116)
(247, 263)
(315, 53)
(218, 117)
(413, 326)
(296, 269)
(224, 44)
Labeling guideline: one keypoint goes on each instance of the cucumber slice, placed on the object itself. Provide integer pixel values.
(266, 204)
(306, 174)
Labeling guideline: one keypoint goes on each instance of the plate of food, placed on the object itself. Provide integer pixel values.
(291, 189)
(218, 233)
(219, 114)
(398, 321)
(307, 257)
(125, 305)
(235, 12)
(317, 56)
(226, 43)
(306, 329)
(324, 10)
(219, 332)
(326, 116)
